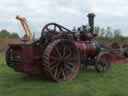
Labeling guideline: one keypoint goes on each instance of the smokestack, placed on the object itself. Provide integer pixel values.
(91, 21)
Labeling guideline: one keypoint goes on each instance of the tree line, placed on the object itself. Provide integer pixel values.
(5, 34)
(108, 32)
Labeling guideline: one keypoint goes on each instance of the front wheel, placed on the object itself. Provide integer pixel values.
(103, 62)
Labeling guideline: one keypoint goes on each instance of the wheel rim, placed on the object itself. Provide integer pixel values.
(103, 62)
(9, 57)
(52, 29)
(61, 60)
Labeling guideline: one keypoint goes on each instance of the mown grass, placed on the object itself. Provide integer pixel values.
(88, 83)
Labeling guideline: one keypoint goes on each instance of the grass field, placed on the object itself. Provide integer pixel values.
(88, 83)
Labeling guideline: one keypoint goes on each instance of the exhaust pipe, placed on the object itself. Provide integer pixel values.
(91, 22)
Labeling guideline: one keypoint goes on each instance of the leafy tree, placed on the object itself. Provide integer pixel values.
(102, 32)
(14, 35)
(117, 33)
(5, 34)
(97, 30)
(109, 32)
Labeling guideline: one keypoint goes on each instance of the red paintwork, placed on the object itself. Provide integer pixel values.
(89, 36)
(119, 58)
(28, 57)
(86, 48)
(116, 57)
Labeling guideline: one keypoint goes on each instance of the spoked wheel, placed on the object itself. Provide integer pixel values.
(51, 30)
(9, 57)
(53, 27)
(61, 60)
(103, 62)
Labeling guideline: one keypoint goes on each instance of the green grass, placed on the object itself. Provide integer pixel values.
(88, 83)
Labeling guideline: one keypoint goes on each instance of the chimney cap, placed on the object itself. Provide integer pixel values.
(91, 14)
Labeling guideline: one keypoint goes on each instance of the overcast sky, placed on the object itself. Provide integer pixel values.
(69, 13)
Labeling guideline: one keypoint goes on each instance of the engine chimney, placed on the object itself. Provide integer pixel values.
(91, 22)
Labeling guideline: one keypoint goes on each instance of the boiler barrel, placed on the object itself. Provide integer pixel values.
(91, 49)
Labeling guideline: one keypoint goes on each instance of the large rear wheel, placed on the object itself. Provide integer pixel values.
(61, 60)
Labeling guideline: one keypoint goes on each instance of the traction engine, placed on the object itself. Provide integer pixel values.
(59, 52)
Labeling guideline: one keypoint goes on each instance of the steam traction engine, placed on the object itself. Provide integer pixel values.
(59, 52)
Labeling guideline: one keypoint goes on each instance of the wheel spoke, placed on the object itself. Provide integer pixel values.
(71, 64)
(68, 56)
(59, 73)
(48, 29)
(103, 60)
(54, 58)
(63, 73)
(54, 66)
(64, 50)
(68, 67)
(56, 71)
(58, 52)
(65, 70)
(60, 28)
(55, 28)
(53, 62)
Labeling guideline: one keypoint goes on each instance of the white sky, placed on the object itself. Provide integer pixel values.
(69, 13)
